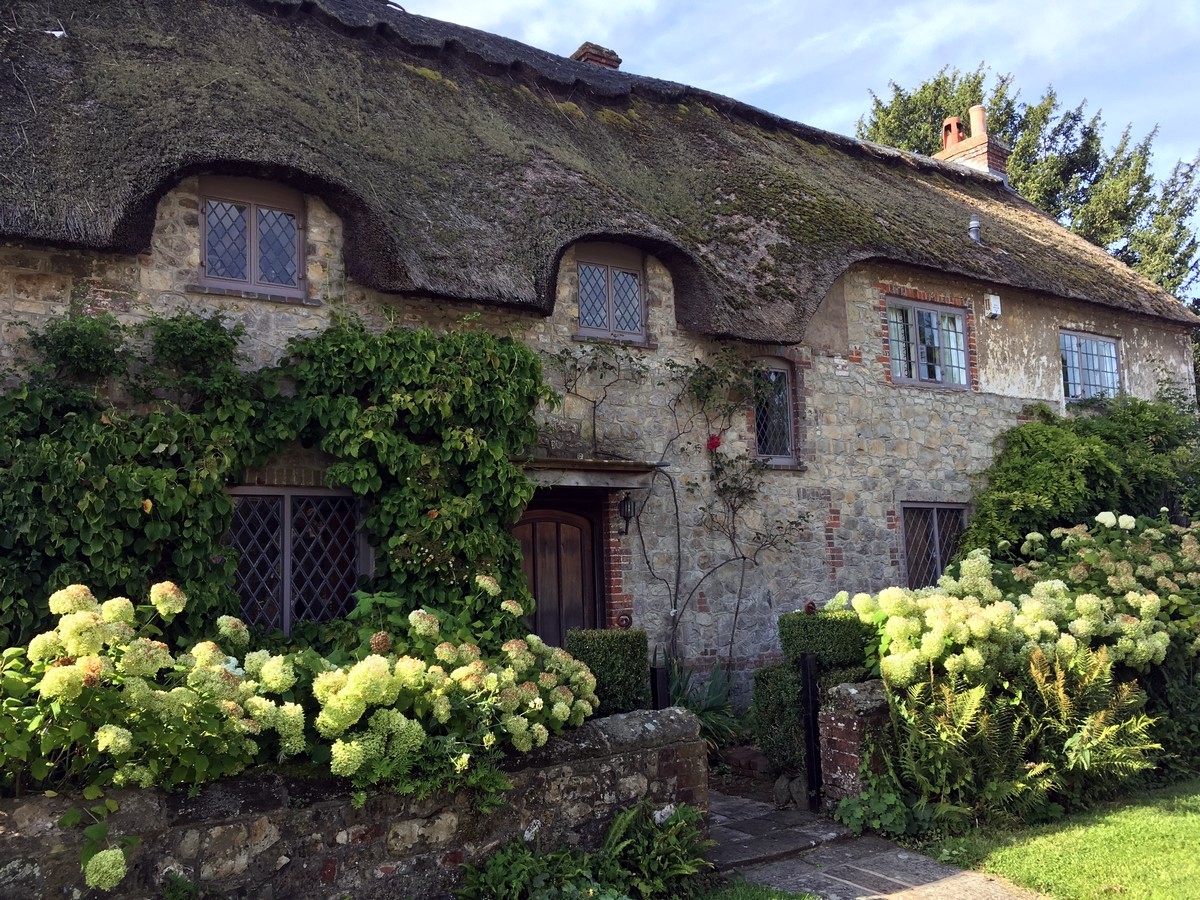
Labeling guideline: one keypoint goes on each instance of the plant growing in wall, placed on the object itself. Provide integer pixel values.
(117, 447)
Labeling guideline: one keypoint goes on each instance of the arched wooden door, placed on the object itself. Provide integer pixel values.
(559, 559)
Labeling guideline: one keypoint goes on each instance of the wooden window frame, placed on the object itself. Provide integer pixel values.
(612, 258)
(1076, 336)
(914, 345)
(256, 195)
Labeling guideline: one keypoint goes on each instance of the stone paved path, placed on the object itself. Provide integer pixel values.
(795, 850)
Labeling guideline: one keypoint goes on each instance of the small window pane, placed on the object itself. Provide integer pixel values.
(324, 556)
(773, 416)
(256, 532)
(627, 302)
(278, 253)
(226, 240)
(593, 296)
(900, 341)
(928, 345)
(954, 352)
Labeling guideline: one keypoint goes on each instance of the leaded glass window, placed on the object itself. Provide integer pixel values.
(927, 345)
(299, 554)
(253, 237)
(773, 423)
(931, 537)
(610, 297)
(1089, 366)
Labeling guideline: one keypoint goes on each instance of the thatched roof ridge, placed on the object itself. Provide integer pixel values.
(464, 163)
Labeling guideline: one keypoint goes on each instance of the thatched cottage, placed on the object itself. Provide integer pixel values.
(282, 160)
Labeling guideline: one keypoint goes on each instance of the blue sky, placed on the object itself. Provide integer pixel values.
(1138, 62)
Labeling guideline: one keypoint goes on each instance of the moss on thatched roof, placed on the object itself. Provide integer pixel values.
(464, 164)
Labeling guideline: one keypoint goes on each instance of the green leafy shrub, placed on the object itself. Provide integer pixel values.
(777, 717)
(646, 854)
(1118, 453)
(1063, 733)
(619, 658)
(837, 637)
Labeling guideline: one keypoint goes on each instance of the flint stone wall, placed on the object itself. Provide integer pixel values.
(271, 837)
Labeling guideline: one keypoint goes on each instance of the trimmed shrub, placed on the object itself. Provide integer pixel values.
(838, 638)
(619, 658)
(777, 718)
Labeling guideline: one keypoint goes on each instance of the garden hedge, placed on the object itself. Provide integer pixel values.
(776, 715)
(839, 639)
(619, 658)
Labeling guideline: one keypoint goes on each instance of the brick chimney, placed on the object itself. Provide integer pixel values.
(979, 151)
(597, 55)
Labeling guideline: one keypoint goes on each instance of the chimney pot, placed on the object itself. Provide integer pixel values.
(597, 55)
(952, 132)
(978, 121)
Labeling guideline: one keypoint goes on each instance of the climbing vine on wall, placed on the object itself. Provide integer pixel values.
(704, 399)
(117, 444)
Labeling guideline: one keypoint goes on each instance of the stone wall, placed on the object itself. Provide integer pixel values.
(272, 837)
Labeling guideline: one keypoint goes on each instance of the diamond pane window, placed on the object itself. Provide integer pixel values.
(300, 555)
(277, 249)
(610, 296)
(253, 237)
(593, 296)
(773, 416)
(931, 537)
(1089, 366)
(227, 243)
(927, 346)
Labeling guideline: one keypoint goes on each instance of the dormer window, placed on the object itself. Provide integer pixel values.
(251, 237)
(611, 296)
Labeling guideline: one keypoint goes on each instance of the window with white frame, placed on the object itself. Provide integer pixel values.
(927, 345)
(300, 554)
(611, 301)
(774, 426)
(1089, 366)
(252, 237)
(931, 536)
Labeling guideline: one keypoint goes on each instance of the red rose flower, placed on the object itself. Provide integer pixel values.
(714, 441)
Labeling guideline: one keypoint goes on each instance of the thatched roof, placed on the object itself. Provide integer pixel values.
(464, 164)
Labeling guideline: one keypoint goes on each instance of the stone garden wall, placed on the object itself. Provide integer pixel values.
(270, 837)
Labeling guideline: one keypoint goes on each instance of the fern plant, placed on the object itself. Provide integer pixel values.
(1091, 728)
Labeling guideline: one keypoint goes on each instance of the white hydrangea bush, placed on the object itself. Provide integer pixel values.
(1125, 585)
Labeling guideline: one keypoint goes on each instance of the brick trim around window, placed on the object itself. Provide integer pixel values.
(891, 295)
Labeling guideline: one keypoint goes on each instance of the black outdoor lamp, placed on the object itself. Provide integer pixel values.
(627, 510)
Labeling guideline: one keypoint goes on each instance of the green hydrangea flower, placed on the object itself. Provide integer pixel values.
(105, 870)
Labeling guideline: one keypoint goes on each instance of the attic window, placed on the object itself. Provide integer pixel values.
(251, 237)
(611, 296)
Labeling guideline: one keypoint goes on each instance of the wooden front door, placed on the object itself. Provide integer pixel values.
(559, 559)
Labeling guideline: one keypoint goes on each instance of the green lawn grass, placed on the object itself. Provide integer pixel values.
(744, 890)
(1141, 847)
